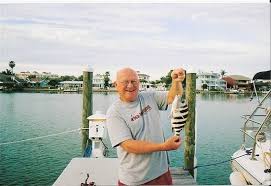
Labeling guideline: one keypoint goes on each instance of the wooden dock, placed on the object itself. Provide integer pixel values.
(181, 176)
(104, 171)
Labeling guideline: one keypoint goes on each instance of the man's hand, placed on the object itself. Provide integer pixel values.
(172, 143)
(176, 88)
(178, 75)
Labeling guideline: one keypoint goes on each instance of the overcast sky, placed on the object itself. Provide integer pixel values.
(152, 38)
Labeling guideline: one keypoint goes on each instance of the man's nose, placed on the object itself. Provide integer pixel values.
(130, 84)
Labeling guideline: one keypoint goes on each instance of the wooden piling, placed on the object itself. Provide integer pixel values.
(189, 141)
(87, 103)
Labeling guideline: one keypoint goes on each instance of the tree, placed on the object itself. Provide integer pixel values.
(80, 78)
(67, 78)
(204, 86)
(7, 72)
(32, 76)
(12, 65)
(143, 81)
(167, 79)
(222, 73)
(53, 82)
(106, 79)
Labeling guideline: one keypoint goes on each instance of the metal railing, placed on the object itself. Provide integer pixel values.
(264, 123)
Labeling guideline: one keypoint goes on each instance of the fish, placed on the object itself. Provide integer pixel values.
(178, 114)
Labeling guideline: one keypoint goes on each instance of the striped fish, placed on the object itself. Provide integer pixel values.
(179, 113)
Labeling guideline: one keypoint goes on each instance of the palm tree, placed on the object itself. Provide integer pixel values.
(106, 79)
(167, 79)
(12, 65)
(222, 73)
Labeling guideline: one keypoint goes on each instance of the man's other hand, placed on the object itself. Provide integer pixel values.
(172, 143)
(178, 75)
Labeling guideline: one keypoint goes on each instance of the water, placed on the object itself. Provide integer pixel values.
(40, 162)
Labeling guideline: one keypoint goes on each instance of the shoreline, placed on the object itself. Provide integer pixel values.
(39, 90)
(63, 91)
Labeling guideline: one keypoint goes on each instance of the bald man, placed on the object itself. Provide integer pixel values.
(135, 129)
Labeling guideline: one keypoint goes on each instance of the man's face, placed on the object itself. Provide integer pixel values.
(127, 85)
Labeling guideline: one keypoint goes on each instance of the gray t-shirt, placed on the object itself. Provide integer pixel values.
(138, 120)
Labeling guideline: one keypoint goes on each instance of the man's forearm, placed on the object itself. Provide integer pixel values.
(175, 89)
(141, 147)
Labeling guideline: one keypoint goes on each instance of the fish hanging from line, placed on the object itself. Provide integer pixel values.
(178, 115)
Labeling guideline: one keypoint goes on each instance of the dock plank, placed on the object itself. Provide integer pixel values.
(77, 170)
(181, 176)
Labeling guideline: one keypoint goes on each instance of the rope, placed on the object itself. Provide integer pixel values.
(39, 137)
(104, 144)
(218, 162)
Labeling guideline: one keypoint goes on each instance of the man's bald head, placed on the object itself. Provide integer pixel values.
(125, 72)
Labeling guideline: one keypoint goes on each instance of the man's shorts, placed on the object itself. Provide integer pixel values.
(164, 179)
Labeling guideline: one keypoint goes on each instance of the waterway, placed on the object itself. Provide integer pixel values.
(41, 161)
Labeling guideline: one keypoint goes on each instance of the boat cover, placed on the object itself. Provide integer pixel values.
(265, 75)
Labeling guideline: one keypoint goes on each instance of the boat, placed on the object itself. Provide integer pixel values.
(71, 89)
(251, 164)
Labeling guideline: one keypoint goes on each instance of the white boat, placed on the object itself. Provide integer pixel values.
(251, 164)
(74, 89)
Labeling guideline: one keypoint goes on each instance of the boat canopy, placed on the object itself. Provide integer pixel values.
(265, 75)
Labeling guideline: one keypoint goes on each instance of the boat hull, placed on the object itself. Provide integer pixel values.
(252, 170)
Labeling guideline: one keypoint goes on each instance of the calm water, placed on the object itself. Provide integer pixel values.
(40, 162)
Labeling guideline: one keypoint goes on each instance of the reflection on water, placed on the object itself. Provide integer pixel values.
(223, 97)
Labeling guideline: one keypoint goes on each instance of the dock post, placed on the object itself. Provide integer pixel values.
(189, 141)
(87, 103)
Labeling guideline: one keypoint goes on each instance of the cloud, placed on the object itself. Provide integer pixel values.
(143, 36)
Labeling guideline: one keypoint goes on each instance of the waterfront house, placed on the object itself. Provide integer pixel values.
(143, 77)
(23, 75)
(238, 82)
(34, 82)
(44, 83)
(149, 86)
(47, 75)
(160, 87)
(144, 81)
(98, 81)
(43, 75)
(146, 86)
(210, 81)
